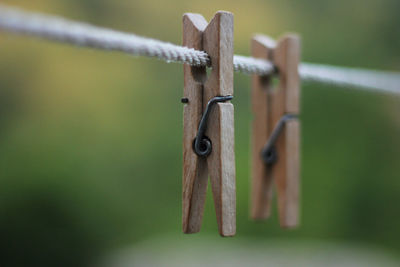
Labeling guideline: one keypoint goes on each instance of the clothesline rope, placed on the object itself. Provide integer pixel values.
(384, 81)
(82, 34)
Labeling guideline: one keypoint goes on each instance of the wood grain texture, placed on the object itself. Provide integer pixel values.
(286, 171)
(195, 173)
(216, 39)
(261, 192)
(273, 105)
(287, 58)
(218, 43)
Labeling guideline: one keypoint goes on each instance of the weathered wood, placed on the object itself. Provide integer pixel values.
(287, 58)
(218, 43)
(194, 168)
(216, 39)
(274, 104)
(261, 194)
(287, 169)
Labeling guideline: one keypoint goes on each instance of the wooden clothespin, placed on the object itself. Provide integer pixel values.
(276, 130)
(208, 130)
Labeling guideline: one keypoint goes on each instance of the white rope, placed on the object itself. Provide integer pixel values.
(81, 34)
(251, 65)
(384, 81)
(62, 30)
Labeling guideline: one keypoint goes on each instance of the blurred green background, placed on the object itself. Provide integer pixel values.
(90, 141)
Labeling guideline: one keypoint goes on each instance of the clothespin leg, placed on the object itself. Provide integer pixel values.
(221, 165)
(262, 183)
(218, 43)
(195, 175)
(286, 171)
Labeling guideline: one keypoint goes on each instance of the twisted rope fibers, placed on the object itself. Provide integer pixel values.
(82, 34)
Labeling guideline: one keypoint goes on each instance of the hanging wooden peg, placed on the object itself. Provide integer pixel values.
(208, 130)
(276, 130)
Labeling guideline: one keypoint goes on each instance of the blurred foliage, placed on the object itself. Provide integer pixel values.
(90, 156)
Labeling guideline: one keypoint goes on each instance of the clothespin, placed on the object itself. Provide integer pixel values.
(208, 130)
(276, 130)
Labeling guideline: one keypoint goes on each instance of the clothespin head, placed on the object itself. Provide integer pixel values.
(276, 130)
(208, 121)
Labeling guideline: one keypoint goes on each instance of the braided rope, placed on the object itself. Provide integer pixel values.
(249, 65)
(81, 34)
